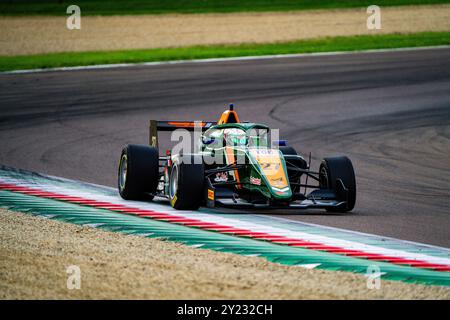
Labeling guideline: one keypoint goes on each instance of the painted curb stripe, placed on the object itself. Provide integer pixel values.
(313, 233)
(328, 236)
(348, 239)
(222, 228)
(196, 237)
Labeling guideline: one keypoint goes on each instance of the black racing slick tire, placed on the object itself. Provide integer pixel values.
(186, 184)
(339, 168)
(138, 172)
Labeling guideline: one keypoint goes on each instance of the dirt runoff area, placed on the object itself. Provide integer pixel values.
(34, 35)
(35, 253)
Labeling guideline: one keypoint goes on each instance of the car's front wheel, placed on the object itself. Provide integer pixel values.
(339, 168)
(186, 183)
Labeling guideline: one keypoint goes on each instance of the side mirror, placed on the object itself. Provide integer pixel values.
(280, 143)
(208, 140)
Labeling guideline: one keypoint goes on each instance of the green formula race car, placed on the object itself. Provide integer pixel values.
(236, 164)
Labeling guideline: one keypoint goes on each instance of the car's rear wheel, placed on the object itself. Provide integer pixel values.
(186, 183)
(339, 168)
(138, 172)
(288, 150)
(293, 163)
(293, 157)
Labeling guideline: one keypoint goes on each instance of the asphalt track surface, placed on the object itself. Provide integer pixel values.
(389, 112)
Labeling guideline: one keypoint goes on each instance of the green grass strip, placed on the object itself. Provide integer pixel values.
(121, 7)
(352, 43)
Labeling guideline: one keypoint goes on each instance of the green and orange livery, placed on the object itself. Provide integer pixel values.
(236, 165)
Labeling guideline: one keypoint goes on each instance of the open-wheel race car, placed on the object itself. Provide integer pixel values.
(236, 164)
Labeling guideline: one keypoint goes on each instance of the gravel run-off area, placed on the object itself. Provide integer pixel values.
(35, 253)
(34, 35)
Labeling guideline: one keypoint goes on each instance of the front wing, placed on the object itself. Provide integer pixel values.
(317, 199)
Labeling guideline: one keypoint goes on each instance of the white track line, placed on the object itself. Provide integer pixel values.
(212, 60)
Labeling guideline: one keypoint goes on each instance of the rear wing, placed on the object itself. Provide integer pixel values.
(156, 126)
